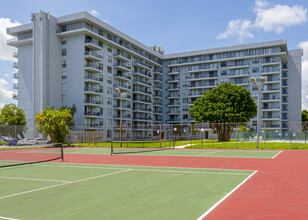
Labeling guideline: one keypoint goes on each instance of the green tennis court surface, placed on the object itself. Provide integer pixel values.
(75, 191)
(173, 152)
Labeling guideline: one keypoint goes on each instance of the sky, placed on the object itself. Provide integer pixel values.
(177, 25)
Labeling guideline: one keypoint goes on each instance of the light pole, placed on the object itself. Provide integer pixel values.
(122, 95)
(254, 81)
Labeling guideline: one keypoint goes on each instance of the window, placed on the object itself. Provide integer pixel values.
(109, 90)
(185, 100)
(223, 80)
(109, 59)
(185, 117)
(109, 101)
(109, 111)
(109, 80)
(63, 63)
(63, 86)
(63, 41)
(255, 61)
(185, 84)
(185, 92)
(63, 52)
(185, 108)
(100, 66)
(255, 69)
(63, 98)
(109, 69)
(224, 64)
(109, 48)
(185, 76)
(63, 75)
(109, 122)
(223, 73)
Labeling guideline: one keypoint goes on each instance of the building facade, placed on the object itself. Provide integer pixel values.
(79, 59)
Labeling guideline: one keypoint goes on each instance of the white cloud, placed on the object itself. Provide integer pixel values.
(279, 17)
(304, 46)
(6, 52)
(94, 13)
(268, 18)
(237, 28)
(5, 93)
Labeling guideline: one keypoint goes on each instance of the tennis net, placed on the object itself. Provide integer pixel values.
(132, 147)
(23, 155)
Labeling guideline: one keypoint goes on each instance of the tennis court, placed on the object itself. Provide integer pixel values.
(75, 191)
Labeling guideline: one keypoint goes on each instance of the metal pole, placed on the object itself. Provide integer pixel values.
(160, 135)
(258, 119)
(236, 135)
(290, 135)
(121, 123)
(62, 154)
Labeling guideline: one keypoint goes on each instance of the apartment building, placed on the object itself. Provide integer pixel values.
(79, 59)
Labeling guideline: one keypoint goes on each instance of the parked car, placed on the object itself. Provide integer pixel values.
(22, 141)
(12, 142)
(30, 141)
(41, 141)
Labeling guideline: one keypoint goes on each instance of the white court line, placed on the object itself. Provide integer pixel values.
(277, 154)
(226, 196)
(62, 184)
(163, 171)
(8, 218)
(22, 178)
(219, 151)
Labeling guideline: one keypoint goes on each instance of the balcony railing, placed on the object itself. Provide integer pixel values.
(123, 75)
(94, 54)
(90, 41)
(93, 113)
(93, 102)
(91, 65)
(15, 86)
(93, 90)
(94, 78)
(24, 37)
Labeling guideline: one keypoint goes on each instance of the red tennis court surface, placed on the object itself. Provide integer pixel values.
(279, 190)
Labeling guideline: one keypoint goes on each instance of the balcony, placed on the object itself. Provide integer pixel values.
(174, 96)
(142, 91)
(123, 67)
(93, 102)
(15, 54)
(15, 86)
(22, 40)
(142, 65)
(270, 109)
(93, 91)
(196, 78)
(15, 65)
(173, 113)
(93, 124)
(142, 118)
(196, 94)
(142, 109)
(122, 76)
(173, 80)
(122, 57)
(284, 68)
(173, 73)
(93, 55)
(272, 81)
(202, 85)
(95, 45)
(93, 67)
(270, 118)
(284, 84)
(157, 71)
(270, 63)
(158, 79)
(90, 114)
(271, 126)
(285, 75)
(274, 72)
(158, 87)
(173, 104)
(15, 75)
(205, 69)
(234, 75)
(240, 66)
(124, 117)
(124, 106)
(143, 74)
(158, 103)
(142, 82)
(142, 100)
(270, 90)
(93, 79)
(117, 96)
(124, 86)
(269, 99)
(173, 88)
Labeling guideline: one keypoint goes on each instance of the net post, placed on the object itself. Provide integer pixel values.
(160, 135)
(169, 135)
(62, 153)
(236, 135)
(111, 136)
(290, 134)
(191, 134)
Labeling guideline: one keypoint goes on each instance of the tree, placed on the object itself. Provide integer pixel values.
(73, 110)
(54, 123)
(222, 106)
(305, 120)
(12, 115)
(242, 128)
(178, 130)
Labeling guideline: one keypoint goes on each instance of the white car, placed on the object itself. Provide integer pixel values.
(30, 141)
(22, 142)
(41, 141)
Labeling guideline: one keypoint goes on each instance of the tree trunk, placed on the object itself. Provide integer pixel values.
(223, 132)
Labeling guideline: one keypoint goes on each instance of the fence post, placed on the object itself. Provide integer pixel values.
(236, 135)
(290, 134)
